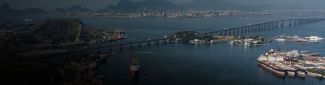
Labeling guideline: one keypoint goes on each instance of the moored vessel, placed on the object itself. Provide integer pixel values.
(134, 68)
(291, 73)
(301, 74)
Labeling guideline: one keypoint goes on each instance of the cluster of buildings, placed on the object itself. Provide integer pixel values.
(114, 34)
(178, 13)
(293, 63)
(108, 35)
(167, 14)
(196, 38)
(248, 41)
(203, 41)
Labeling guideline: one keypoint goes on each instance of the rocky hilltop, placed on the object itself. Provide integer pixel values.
(58, 32)
(58, 69)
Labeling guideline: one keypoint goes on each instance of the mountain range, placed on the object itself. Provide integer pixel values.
(128, 5)
(5, 9)
(218, 5)
(74, 8)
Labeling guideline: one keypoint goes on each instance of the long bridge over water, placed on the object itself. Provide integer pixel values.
(272, 25)
(242, 30)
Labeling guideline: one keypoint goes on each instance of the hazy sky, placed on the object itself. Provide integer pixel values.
(98, 4)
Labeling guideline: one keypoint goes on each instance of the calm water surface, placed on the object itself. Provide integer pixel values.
(213, 64)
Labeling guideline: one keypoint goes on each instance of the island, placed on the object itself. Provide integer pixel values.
(190, 37)
(202, 38)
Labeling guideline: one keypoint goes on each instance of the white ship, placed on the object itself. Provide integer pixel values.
(280, 39)
(297, 38)
(313, 38)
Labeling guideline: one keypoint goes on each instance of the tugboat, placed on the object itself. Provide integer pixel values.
(134, 68)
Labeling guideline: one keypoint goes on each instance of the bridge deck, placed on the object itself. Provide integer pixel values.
(272, 25)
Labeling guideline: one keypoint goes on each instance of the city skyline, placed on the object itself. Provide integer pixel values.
(100, 4)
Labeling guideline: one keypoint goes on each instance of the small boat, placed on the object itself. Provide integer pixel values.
(247, 44)
(134, 68)
(280, 39)
(196, 41)
(234, 42)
